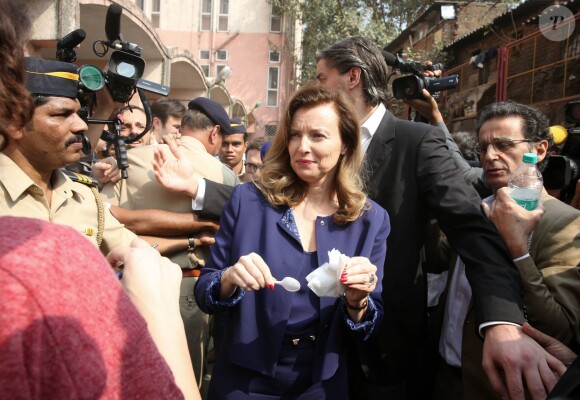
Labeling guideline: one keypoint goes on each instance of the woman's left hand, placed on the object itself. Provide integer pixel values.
(359, 277)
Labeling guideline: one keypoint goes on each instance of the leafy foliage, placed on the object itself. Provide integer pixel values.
(326, 21)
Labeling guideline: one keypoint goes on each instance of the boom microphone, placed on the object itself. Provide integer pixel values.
(113, 22)
(390, 58)
(71, 40)
(411, 66)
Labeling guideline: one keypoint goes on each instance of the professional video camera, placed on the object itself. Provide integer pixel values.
(122, 79)
(562, 171)
(411, 86)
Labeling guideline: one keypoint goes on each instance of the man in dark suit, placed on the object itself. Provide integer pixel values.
(410, 173)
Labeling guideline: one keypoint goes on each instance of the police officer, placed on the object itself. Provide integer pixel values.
(32, 183)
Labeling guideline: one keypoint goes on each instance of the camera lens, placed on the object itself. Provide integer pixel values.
(125, 69)
(91, 77)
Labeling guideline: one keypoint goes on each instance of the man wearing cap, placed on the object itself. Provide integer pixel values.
(202, 128)
(31, 181)
(233, 148)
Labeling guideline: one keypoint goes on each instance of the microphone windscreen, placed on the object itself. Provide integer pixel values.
(390, 58)
(559, 133)
(113, 22)
(71, 40)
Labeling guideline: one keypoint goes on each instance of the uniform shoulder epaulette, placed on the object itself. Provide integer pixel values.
(80, 178)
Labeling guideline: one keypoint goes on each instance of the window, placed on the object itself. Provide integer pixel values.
(275, 20)
(206, 7)
(155, 13)
(270, 129)
(221, 55)
(204, 54)
(272, 86)
(218, 69)
(274, 56)
(223, 15)
(205, 69)
(140, 4)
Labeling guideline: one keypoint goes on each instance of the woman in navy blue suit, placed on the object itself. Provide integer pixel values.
(308, 200)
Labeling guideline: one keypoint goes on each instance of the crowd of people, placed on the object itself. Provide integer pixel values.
(189, 251)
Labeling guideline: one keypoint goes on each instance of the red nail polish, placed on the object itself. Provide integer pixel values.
(343, 279)
(271, 286)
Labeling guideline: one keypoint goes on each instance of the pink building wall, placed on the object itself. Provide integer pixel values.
(248, 57)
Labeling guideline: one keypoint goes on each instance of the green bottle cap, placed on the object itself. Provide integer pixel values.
(530, 158)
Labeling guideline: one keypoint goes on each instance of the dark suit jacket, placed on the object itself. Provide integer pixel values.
(568, 387)
(409, 171)
(216, 196)
(257, 323)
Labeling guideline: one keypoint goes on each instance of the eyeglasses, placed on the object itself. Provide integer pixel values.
(500, 145)
(252, 168)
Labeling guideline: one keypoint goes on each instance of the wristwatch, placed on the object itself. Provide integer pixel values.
(355, 308)
(191, 244)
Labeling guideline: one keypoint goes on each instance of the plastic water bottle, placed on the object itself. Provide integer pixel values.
(526, 183)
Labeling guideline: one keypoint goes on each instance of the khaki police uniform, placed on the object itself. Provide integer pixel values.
(142, 191)
(72, 203)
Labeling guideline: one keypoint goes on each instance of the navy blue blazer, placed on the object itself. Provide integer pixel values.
(257, 323)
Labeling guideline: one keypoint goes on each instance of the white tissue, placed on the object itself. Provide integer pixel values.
(324, 281)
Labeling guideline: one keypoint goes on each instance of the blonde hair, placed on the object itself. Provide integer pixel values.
(278, 181)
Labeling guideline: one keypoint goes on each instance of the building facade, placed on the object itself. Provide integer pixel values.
(186, 44)
(258, 44)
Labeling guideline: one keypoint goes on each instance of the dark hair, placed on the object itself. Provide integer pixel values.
(278, 181)
(363, 53)
(16, 107)
(466, 142)
(165, 108)
(121, 110)
(257, 143)
(535, 125)
(196, 120)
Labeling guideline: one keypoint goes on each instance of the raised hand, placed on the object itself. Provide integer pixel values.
(173, 171)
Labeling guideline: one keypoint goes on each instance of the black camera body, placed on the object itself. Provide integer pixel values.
(411, 86)
(563, 169)
(124, 70)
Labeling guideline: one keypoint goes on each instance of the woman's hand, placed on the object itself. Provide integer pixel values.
(249, 273)
(359, 277)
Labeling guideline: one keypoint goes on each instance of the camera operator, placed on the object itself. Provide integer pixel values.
(427, 106)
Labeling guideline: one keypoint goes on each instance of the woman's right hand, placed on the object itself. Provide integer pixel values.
(249, 273)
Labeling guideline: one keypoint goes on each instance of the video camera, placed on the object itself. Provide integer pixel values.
(411, 86)
(122, 79)
(563, 169)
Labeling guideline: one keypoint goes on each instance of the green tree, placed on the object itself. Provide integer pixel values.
(326, 21)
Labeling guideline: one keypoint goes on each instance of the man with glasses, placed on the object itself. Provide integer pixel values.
(254, 158)
(544, 245)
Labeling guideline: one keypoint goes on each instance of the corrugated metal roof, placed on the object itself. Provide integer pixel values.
(522, 9)
(404, 34)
